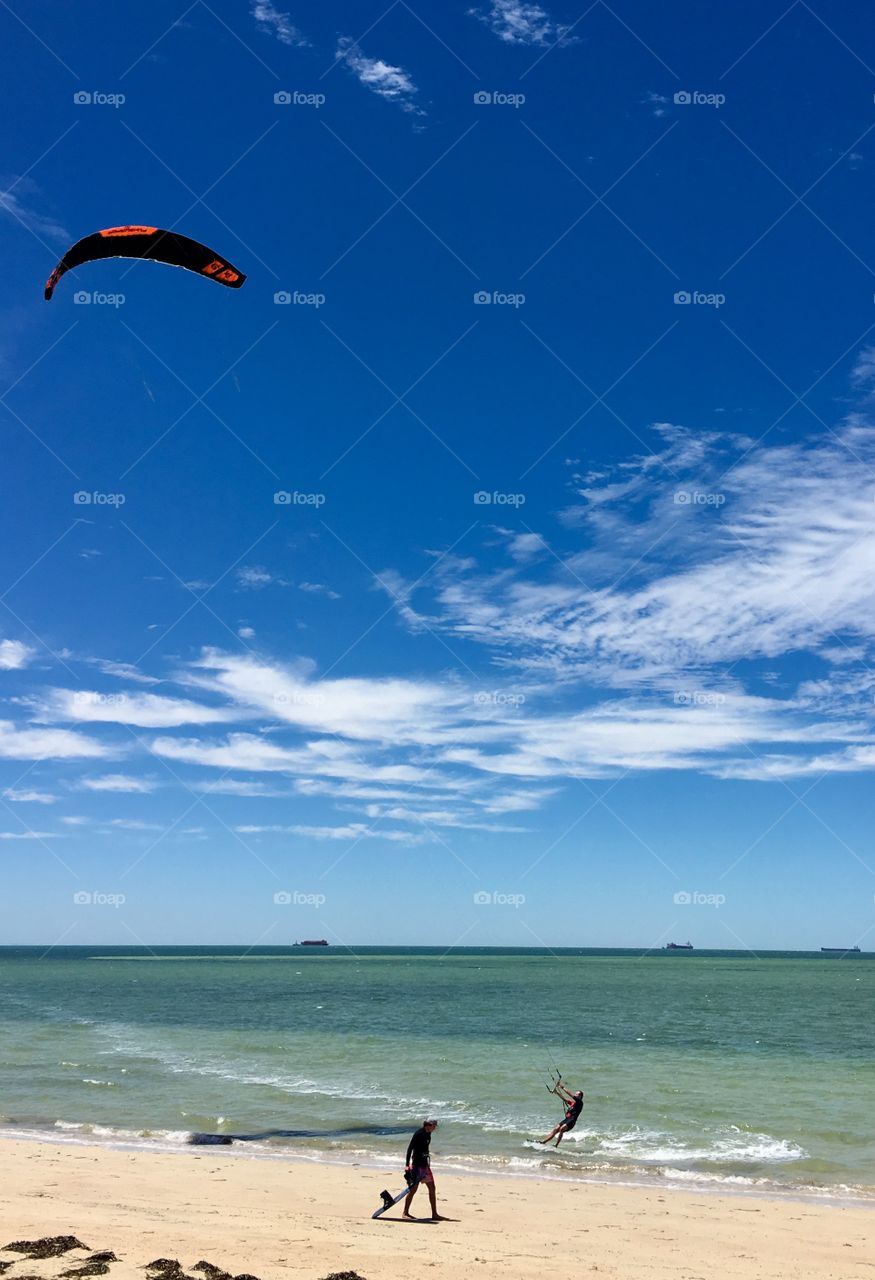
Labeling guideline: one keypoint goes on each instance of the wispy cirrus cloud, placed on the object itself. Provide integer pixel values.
(351, 831)
(140, 710)
(119, 783)
(518, 22)
(18, 197)
(707, 607)
(394, 84)
(271, 21)
(21, 795)
(716, 552)
(29, 835)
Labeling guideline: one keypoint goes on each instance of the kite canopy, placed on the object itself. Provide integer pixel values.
(147, 242)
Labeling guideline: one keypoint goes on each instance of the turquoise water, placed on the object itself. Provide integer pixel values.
(706, 1069)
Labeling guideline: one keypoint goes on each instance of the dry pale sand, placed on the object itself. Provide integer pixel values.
(294, 1218)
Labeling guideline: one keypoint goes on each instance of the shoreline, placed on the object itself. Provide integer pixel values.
(842, 1196)
(302, 1218)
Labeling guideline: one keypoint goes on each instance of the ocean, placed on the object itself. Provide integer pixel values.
(704, 1069)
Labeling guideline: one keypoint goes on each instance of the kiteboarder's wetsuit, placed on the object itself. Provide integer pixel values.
(418, 1163)
(572, 1113)
(573, 1109)
(417, 1157)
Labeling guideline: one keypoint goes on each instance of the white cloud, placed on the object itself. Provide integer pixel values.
(383, 710)
(14, 655)
(525, 546)
(119, 782)
(143, 710)
(254, 754)
(783, 562)
(122, 670)
(863, 372)
(317, 588)
(15, 202)
(29, 835)
(29, 797)
(235, 787)
(392, 83)
(134, 824)
(516, 22)
(273, 22)
(352, 831)
(437, 818)
(255, 576)
(49, 744)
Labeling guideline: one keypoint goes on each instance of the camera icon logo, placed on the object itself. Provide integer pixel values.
(482, 298)
(683, 298)
(682, 898)
(82, 899)
(82, 98)
(482, 899)
(282, 98)
(82, 498)
(282, 298)
(282, 498)
(282, 898)
(683, 98)
(482, 498)
(482, 98)
(82, 297)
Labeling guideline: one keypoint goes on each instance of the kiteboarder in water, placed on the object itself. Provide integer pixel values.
(572, 1111)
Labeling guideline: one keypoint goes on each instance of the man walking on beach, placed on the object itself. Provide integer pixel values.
(418, 1165)
(572, 1111)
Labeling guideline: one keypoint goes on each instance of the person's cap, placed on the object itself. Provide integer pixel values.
(430, 1120)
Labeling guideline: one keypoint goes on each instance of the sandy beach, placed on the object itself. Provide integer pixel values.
(274, 1218)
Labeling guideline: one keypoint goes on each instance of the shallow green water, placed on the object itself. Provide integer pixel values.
(714, 1068)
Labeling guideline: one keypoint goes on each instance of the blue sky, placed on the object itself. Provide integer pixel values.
(558, 349)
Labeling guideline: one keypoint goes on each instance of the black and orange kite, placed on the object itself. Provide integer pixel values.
(147, 242)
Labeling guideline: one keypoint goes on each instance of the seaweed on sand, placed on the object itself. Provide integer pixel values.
(96, 1265)
(48, 1247)
(166, 1269)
